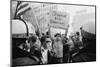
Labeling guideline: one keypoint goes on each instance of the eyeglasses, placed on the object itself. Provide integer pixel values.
(47, 41)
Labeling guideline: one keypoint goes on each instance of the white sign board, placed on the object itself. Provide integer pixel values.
(59, 19)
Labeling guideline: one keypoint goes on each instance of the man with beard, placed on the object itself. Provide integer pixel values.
(23, 54)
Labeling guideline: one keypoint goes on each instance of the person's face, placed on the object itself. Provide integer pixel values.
(31, 44)
(48, 43)
(28, 44)
(36, 44)
(58, 38)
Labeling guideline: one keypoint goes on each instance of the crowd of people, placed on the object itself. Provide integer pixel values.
(37, 50)
(42, 48)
